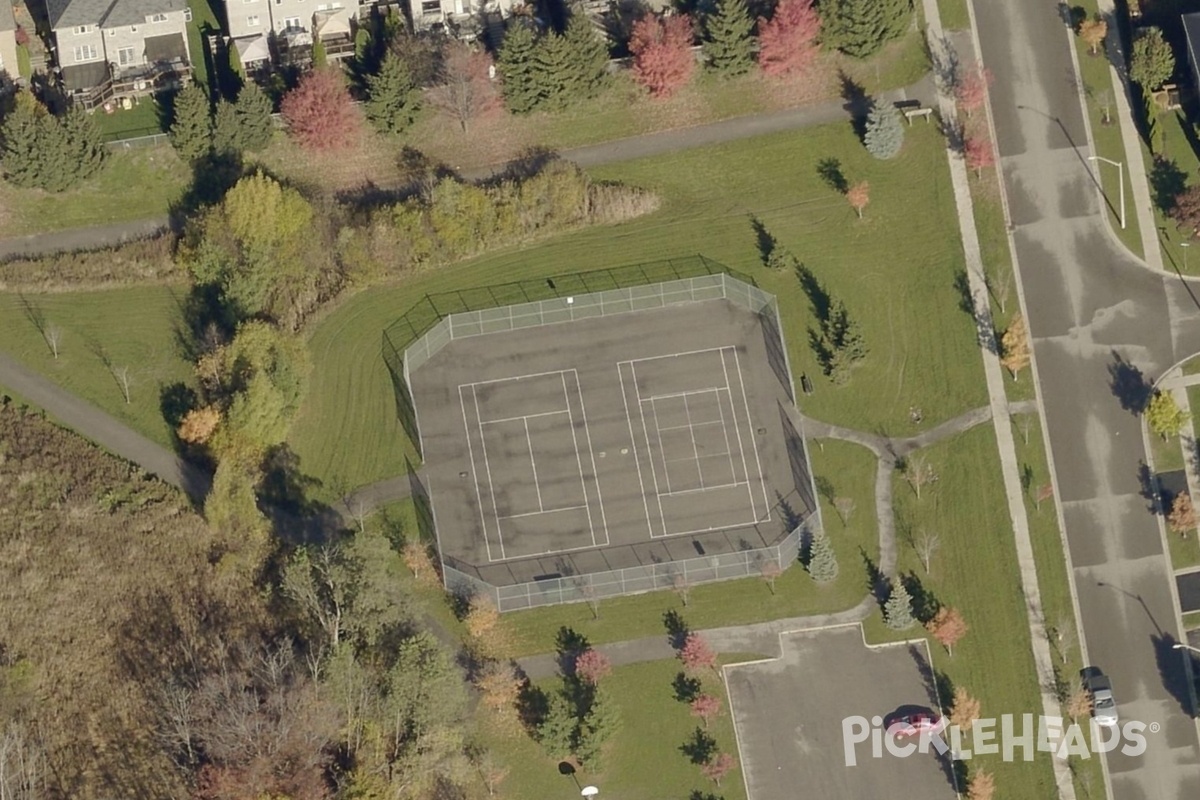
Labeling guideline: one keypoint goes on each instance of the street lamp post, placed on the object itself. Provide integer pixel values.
(1182, 646)
(1121, 173)
(1185, 246)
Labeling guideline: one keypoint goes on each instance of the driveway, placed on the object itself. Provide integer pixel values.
(789, 714)
(1103, 325)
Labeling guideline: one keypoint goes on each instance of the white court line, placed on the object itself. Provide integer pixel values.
(692, 433)
(516, 378)
(658, 433)
(488, 467)
(746, 404)
(662, 517)
(522, 416)
(533, 465)
(475, 473)
(737, 429)
(733, 485)
(547, 511)
(633, 443)
(724, 428)
(578, 458)
(592, 455)
(676, 355)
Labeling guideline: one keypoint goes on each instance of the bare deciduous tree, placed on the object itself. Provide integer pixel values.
(465, 90)
(999, 283)
(53, 335)
(683, 588)
(1064, 638)
(845, 508)
(926, 544)
(1025, 425)
(122, 376)
(919, 473)
(770, 572)
(1079, 702)
(22, 763)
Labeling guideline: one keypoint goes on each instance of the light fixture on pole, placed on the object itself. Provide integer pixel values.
(1121, 173)
(1182, 646)
(589, 791)
(1185, 246)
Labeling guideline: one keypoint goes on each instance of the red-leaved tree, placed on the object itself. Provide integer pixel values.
(320, 113)
(718, 767)
(592, 665)
(706, 706)
(788, 41)
(662, 53)
(947, 626)
(978, 153)
(696, 654)
(972, 88)
(465, 89)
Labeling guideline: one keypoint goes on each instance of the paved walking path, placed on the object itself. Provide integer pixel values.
(644, 146)
(1001, 421)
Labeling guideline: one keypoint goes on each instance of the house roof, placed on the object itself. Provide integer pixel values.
(168, 47)
(330, 23)
(1191, 27)
(85, 76)
(107, 13)
(7, 21)
(252, 48)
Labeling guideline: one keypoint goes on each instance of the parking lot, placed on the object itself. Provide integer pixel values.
(789, 711)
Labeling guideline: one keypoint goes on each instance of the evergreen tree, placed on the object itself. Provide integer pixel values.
(191, 130)
(603, 720)
(589, 56)
(54, 169)
(822, 562)
(85, 150)
(23, 154)
(859, 28)
(518, 67)
(558, 728)
(392, 96)
(885, 132)
(227, 129)
(554, 63)
(254, 117)
(728, 46)
(897, 611)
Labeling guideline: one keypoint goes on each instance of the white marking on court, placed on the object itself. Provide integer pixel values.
(737, 428)
(591, 452)
(475, 472)
(746, 404)
(578, 458)
(533, 465)
(522, 416)
(517, 377)
(733, 485)
(488, 467)
(633, 441)
(547, 511)
(658, 433)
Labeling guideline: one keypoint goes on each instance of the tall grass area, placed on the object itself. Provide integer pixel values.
(133, 328)
(975, 570)
(895, 269)
(848, 469)
(134, 185)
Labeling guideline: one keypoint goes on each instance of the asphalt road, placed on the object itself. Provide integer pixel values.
(1103, 325)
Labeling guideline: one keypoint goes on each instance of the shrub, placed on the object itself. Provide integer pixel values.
(884, 134)
(662, 53)
(320, 113)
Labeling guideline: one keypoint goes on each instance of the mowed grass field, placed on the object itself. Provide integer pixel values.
(975, 570)
(894, 269)
(848, 468)
(133, 328)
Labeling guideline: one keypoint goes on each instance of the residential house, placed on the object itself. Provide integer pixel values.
(8, 40)
(108, 50)
(462, 18)
(1191, 27)
(289, 28)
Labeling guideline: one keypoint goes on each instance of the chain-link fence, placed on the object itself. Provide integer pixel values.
(596, 586)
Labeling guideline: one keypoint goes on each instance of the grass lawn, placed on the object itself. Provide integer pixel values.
(141, 120)
(1109, 143)
(134, 184)
(1166, 454)
(135, 328)
(975, 571)
(895, 270)
(1191, 621)
(24, 66)
(643, 760)
(953, 14)
(850, 472)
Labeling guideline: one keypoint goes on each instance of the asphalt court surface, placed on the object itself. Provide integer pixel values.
(610, 442)
(788, 713)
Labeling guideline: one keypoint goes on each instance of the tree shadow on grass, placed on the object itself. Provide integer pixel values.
(686, 687)
(1167, 181)
(925, 604)
(764, 240)
(677, 628)
(569, 644)
(700, 747)
(877, 582)
(830, 171)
